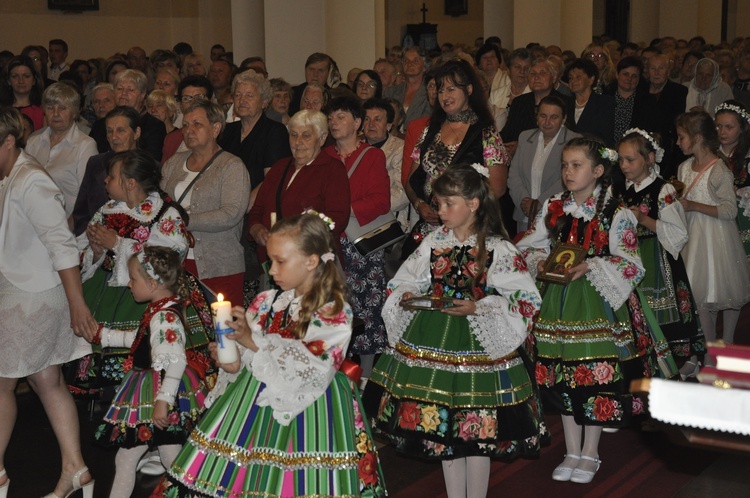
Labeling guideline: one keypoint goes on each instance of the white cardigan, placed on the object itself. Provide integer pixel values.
(35, 241)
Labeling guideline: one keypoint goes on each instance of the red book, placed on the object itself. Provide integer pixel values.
(730, 357)
(725, 379)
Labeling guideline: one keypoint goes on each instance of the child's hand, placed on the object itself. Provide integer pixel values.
(578, 271)
(461, 307)
(100, 235)
(686, 205)
(227, 367)
(639, 215)
(242, 333)
(407, 295)
(540, 266)
(160, 414)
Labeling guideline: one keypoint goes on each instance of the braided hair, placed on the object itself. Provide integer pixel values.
(594, 149)
(167, 265)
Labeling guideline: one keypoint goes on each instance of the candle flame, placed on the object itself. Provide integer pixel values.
(220, 297)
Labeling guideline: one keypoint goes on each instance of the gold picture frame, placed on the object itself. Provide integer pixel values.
(430, 303)
(561, 259)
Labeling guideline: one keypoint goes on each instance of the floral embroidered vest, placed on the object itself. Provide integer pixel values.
(129, 228)
(576, 230)
(453, 270)
(647, 200)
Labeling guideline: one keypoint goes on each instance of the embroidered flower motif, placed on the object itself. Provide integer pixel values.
(430, 418)
(583, 376)
(141, 234)
(367, 469)
(257, 302)
(167, 226)
(338, 319)
(170, 317)
(170, 336)
(337, 356)
(526, 308)
(488, 430)
(630, 239)
(629, 272)
(127, 364)
(604, 408)
(137, 247)
(144, 434)
(174, 418)
(519, 263)
(637, 405)
(470, 426)
(316, 347)
(603, 373)
(441, 266)
(668, 199)
(408, 415)
(643, 208)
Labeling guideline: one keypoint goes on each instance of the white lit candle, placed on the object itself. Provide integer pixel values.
(222, 313)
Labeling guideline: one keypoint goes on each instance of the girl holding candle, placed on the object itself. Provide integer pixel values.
(160, 397)
(284, 421)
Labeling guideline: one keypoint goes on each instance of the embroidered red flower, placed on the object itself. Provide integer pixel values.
(338, 319)
(470, 269)
(316, 347)
(603, 408)
(629, 239)
(526, 309)
(643, 344)
(146, 207)
(141, 234)
(542, 374)
(144, 434)
(440, 267)
(519, 263)
(437, 290)
(127, 365)
(668, 199)
(170, 317)
(630, 272)
(368, 469)
(408, 415)
(170, 336)
(167, 226)
(583, 376)
(174, 418)
(601, 239)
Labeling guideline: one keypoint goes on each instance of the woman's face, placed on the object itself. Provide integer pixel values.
(598, 57)
(60, 117)
(247, 101)
(166, 83)
(579, 81)
(366, 87)
(549, 119)
(540, 78)
(432, 93)
(198, 132)
(634, 166)
(704, 75)
(21, 80)
(120, 135)
(280, 102)
(158, 109)
(36, 58)
(454, 99)
(688, 68)
(343, 125)
(305, 143)
(728, 128)
(519, 72)
(114, 70)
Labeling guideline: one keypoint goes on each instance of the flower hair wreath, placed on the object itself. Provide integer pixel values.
(328, 221)
(485, 172)
(148, 267)
(608, 153)
(659, 152)
(734, 108)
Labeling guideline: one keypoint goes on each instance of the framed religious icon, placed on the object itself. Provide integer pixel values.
(560, 261)
(426, 303)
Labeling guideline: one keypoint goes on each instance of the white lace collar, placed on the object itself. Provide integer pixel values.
(588, 208)
(643, 183)
(446, 236)
(145, 211)
(287, 300)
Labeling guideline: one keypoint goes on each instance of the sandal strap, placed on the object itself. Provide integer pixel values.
(76, 480)
(591, 459)
(576, 457)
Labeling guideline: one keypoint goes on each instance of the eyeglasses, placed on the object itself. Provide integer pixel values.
(362, 84)
(36, 59)
(593, 56)
(186, 99)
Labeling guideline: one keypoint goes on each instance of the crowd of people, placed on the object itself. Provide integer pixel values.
(572, 223)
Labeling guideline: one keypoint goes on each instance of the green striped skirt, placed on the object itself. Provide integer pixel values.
(438, 395)
(587, 353)
(239, 450)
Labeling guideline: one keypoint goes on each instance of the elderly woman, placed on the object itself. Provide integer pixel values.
(707, 90)
(593, 112)
(256, 139)
(167, 79)
(163, 106)
(193, 65)
(367, 85)
(307, 180)
(40, 301)
(461, 130)
(214, 188)
(103, 99)
(23, 89)
(522, 111)
(123, 130)
(535, 172)
(369, 187)
(61, 147)
(599, 55)
(278, 109)
(130, 89)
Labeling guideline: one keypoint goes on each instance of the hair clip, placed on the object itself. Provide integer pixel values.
(608, 153)
(485, 172)
(325, 258)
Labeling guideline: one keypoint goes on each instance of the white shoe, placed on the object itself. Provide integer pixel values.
(611, 430)
(585, 476)
(563, 473)
(151, 466)
(4, 487)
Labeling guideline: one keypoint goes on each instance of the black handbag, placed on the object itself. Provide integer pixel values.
(382, 232)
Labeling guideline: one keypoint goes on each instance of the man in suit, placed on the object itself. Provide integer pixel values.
(534, 173)
(317, 69)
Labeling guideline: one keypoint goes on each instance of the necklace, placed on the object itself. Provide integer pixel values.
(344, 157)
(467, 116)
(584, 103)
(515, 94)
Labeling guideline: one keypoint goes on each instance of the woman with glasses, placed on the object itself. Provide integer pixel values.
(599, 55)
(367, 85)
(22, 89)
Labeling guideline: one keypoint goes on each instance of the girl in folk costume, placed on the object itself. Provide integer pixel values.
(139, 213)
(455, 384)
(714, 257)
(733, 126)
(284, 421)
(160, 397)
(662, 233)
(591, 335)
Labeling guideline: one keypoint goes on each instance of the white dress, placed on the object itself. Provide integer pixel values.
(714, 256)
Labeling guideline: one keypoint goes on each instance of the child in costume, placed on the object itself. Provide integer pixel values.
(591, 336)
(714, 257)
(456, 383)
(161, 397)
(662, 233)
(284, 421)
